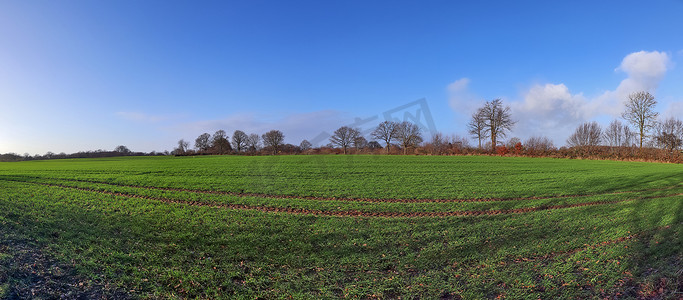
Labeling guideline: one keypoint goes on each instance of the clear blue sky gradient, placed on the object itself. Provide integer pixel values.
(85, 75)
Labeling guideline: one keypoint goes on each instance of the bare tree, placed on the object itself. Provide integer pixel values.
(459, 142)
(273, 139)
(669, 134)
(618, 135)
(640, 112)
(239, 140)
(587, 134)
(220, 143)
(203, 142)
(438, 143)
(360, 142)
(254, 142)
(497, 120)
(305, 145)
(477, 126)
(182, 147)
(385, 131)
(539, 144)
(512, 142)
(344, 136)
(408, 135)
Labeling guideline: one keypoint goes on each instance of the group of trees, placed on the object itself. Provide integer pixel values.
(666, 134)
(220, 143)
(118, 151)
(489, 125)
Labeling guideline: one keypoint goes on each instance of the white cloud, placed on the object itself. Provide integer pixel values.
(645, 65)
(460, 98)
(645, 70)
(550, 110)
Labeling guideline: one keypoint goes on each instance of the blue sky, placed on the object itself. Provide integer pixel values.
(86, 75)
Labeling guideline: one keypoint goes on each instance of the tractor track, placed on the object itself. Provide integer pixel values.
(349, 213)
(345, 199)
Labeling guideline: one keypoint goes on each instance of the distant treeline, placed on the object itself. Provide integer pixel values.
(119, 151)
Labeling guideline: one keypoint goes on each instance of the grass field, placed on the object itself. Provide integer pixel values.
(341, 226)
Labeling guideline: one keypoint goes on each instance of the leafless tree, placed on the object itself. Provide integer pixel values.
(239, 140)
(203, 142)
(438, 143)
(182, 147)
(273, 139)
(669, 134)
(497, 120)
(220, 143)
(512, 142)
(344, 136)
(360, 142)
(254, 142)
(305, 145)
(618, 135)
(408, 135)
(640, 112)
(587, 134)
(477, 126)
(459, 142)
(539, 144)
(386, 131)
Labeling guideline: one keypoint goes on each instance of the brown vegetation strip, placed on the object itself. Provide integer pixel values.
(352, 213)
(378, 200)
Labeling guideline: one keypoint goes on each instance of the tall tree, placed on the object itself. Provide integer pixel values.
(497, 120)
(385, 131)
(477, 126)
(587, 134)
(617, 134)
(220, 143)
(640, 112)
(408, 135)
(344, 136)
(239, 140)
(182, 147)
(253, 142)
(669, 134)
(273, 139)
(203, 142)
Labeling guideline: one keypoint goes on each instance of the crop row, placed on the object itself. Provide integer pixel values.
(345, 207)
(382, 177)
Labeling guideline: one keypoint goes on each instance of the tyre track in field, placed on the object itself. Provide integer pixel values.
(349, 213)
(371, 200)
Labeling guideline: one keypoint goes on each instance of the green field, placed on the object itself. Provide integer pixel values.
(352, 226)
